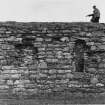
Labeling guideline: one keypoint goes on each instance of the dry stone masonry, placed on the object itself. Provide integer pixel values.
(50, 57)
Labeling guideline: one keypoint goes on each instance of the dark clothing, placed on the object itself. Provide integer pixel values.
(95, 20)
(95, 16)
(96, 13)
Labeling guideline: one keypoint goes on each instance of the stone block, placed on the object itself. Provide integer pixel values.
(1, 57)
(52, 76)
(69, 75)
(73, 82)
(41, 49)
(26, 81)
(50, 56)
(19, 82)
(85, 85)
(65, 39)
(59, 76)
(52, 71)
(15, 76)
(92, 65)
(15, 90)
(60, 71)
(39, 39)
(18, 39)
(10, 82)
(92, 70)
(66, 66)
(66, 31)
(41, 53)
(30, 85)
(101, 70)
(94, 80)
(8, 32)
(6, 72)
(49, 60)
(101, 65)
(74, 85)
(4, 87)
(67, 55)
(101, 47)
(33, 71)
(42, 64)
(13, 71)
(33, 67)
(90, 43)
(6, 76)
(88, 34)
(2, 32)
(48, 39)
(41, 56)
(65, 81)
(68, 71)
(54, 60)
(42, 75)
(11, 38)
(103, 39)
(93, 47)
(32, 91)
(2, 81)
(33, 76)
(37, 44)
(99, 84)
(7, 67)
(49, 53)
(59, 56)
(21, 86)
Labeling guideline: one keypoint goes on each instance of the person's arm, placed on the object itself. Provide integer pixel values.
(90, 15)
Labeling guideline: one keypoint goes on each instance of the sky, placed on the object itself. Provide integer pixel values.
(49, 10)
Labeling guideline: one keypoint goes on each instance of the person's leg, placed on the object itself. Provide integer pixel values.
(92, 19)
(96, 20)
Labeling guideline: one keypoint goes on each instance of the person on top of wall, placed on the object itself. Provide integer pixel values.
(95, 15)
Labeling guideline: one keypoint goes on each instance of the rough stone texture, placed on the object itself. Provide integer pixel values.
(42, 58)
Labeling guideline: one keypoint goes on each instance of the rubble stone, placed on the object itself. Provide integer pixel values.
(49, 60)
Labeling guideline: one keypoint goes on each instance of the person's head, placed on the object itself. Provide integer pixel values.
(94, 7)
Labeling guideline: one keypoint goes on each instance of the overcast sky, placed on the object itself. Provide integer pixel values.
(49, 10)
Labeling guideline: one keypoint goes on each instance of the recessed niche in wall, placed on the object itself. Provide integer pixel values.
(79, 49)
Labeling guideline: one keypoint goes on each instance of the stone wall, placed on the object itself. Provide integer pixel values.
(44, 57)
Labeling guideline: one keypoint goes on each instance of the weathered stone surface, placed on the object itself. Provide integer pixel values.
(42, 64)
(16, 76)
(99, 84)
(54, 65)
(10, 82)
(53, 71)
(102, 65)
(92, 70)
(94, 80)
(69, 75)
(101, 47)
(4, 87)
